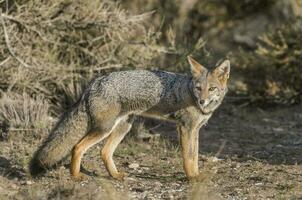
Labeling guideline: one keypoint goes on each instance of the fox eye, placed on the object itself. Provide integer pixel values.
(212, 89)
(198, 88)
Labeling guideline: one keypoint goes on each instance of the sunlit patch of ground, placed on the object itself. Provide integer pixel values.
(245, 153)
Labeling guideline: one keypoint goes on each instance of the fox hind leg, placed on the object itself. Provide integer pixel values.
(114, 139)
(93, 137)
(79, 149)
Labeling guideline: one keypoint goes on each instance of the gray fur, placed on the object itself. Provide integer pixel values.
(142, 90)
(137, 92)
(72, 126)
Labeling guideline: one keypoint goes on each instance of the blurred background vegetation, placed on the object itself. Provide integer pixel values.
(50, 49)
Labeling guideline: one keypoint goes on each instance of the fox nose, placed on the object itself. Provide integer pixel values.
(201, 101)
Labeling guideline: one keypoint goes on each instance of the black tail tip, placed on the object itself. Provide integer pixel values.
(36, 168)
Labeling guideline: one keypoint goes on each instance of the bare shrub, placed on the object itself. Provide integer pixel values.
(21, 111)
(47, 45)
(273, 71)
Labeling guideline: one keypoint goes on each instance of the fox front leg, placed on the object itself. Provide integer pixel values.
(189, 145)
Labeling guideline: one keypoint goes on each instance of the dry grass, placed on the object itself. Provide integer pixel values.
(24, 112)
(46, 45)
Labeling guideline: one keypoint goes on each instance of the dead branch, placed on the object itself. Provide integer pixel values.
(4, 61)
(8, 44)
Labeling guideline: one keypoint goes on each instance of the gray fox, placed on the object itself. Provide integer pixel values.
(109, 103)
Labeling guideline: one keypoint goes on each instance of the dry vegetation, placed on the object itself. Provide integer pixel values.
(49, 45)
(277, 65)
(49, 50)
(262, 37)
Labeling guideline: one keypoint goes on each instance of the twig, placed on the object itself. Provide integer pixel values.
(4, 61)
(220, 148)
(155, 127)
(21, 129)
(63, 44)
(6, 6)
(10, 49)
(116, 66)
(27, 27)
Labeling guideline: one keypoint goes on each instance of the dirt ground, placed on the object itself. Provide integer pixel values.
(245, 153)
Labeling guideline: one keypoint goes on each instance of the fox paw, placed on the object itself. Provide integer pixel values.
(193, 177)
(79, 177)
(198, 178)
(118, 176)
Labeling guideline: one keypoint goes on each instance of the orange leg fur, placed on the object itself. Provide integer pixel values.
(189, 144)
(114, 139)
(78, 151)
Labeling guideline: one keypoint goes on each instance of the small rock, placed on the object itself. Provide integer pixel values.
(129, 179)
(278, 129)
(83, 183)
(175, 184)
(215, 159)
(29, 182)
(137, 190)
(14, 186)
(258, 184)
(157, 183)
(134, 166)
(144, 195)
(141, 154)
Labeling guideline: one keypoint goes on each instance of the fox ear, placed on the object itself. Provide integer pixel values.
(223, 71)
(196, 68)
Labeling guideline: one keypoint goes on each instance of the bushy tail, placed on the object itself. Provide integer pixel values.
(68, 131)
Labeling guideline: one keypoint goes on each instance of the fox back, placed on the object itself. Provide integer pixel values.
(141, 90)
(161, 92)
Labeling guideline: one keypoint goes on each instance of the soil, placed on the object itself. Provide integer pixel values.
(245, 153)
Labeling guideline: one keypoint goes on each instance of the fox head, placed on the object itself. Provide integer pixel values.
(209, 86)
